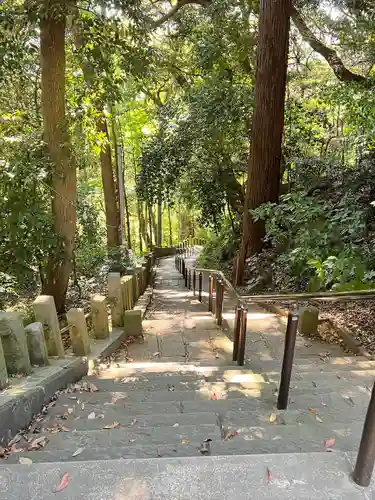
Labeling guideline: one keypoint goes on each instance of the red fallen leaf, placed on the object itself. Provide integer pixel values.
(269, 475)
(213, 396)
(64, 482)
(311, 410)
(329, 443)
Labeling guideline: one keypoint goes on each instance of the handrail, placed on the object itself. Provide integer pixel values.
(366, 455)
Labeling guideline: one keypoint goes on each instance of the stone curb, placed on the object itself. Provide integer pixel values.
(26, 397)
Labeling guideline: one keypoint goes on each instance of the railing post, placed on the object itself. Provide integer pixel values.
(286, 371)
(366, 455)
(236, 333)
(189, 280)
(186, 277)
(242, 338)
(220, 301)
(200, 286)
(210, 292)
(194, 281)
(183, 267)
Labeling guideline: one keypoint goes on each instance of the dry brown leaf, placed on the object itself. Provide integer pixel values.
(25, 461)
(115, 425)
(273, 418)
(185, 441)
(311, 410)
(64, 482)
(78, 452)
(329, 443)
(229, 434)
(91, 415)
(2, 452)
(15, 440)
(38, 443)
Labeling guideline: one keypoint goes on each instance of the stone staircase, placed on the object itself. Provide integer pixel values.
(182, 421)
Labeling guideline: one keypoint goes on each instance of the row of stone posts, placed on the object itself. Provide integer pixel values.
(22, 348)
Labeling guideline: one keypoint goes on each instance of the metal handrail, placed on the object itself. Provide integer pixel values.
(366, 455)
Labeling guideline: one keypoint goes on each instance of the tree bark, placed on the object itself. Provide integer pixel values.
(56, 135)
(112, 214)
(263, 178)
(170, 226)
(159, 238)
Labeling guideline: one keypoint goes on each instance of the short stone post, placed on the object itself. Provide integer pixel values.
(45, 312)
(78, 331)
(36, 344)
(133, 323)
(127, 292)
(115, 299)
(13, 338)
(3, 369)
(308, 321)
(99, 316)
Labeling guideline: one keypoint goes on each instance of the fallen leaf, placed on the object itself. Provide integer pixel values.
(314, 383)
(338, 376)
(329, 443)
(72, 397)
(70, 411)
(115, 425)
(185, 441)
(92, 387)
(83, 406)
(269, 475)
(319, 419)
(134, 421)
(25, 461)
(176, 425)
(323, 403)
(311, 410)
(228, 434)
(131, 440)
(91, 416)
(2, 452)
(205, 448)
(158, 454)
(78, 452)
(64, 482)
(213, 396)
(217, 356)
(156, 354)
(38, 443)
(15, 440)
(273, 418)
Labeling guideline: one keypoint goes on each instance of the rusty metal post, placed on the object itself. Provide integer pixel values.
(200, 286)
(183, 267)
(189, 280)
(210, 291)
(366, 455)
(219, 313)
(236, 333)
(186, 277)
(286, 371)
(194, 281)
(242, 337)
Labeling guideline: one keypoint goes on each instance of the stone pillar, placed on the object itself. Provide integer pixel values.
(3, 369)
(308, 321)
(126, 291)
(115, 299)
(138, 282)
(45, 312)
(133, 323)
(99, 316)
(36, 344)
(13, 338)
(78, 331)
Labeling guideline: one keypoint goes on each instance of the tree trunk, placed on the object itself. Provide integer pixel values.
(127, 213)
(145, 233)
(63, 171)
(151, 220)
(112, 214)
(170, 227)
(263, 178)
(159, 241)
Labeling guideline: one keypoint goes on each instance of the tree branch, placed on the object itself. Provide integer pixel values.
(330, 55)
(177, 7)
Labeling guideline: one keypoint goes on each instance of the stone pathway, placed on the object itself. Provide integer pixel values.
(177, 327)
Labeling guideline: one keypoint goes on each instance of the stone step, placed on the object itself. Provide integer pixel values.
(305, 476)
(328, 376)
(315, 364)
(170, 367)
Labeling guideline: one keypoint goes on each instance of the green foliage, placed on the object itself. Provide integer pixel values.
(219, 250)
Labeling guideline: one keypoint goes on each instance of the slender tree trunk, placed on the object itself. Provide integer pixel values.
(150, 225)
(263, 179)
(170, 227)
(145, 233)
(112, 214)
(159, 241)
(63, 171)
(127, 213)
(154, 225)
